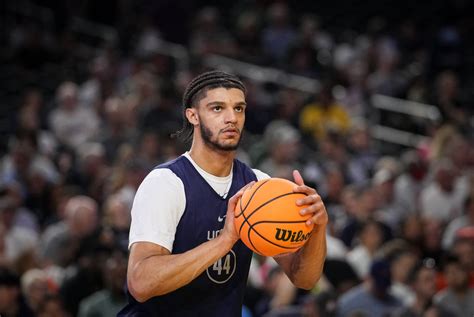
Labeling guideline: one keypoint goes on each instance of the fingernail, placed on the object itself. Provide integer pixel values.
(309, 222)
(302, 212)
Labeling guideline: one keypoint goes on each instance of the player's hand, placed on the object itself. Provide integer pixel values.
(316, 206)
(229, 226)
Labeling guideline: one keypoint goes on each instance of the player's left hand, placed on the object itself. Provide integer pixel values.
(313, 202)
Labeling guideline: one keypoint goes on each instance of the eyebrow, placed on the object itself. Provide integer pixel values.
(221, 103)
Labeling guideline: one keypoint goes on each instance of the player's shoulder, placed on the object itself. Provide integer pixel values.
(162, 176)
(260, 175)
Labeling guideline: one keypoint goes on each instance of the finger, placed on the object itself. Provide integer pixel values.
(298, 178)
(319, 218)
(233, 200)
(243, 189)
(312, 209)
(308, 200)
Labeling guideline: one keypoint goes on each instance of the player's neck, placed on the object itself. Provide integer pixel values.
(217, 163)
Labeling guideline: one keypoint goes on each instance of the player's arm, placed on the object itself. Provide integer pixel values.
(154, 271)
(304, 267)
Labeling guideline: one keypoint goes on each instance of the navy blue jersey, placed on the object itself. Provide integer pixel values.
(219, 290)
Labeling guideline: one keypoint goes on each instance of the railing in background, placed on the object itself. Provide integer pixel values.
(410, 108)
(264, 74)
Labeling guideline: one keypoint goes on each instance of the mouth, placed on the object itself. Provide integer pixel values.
(231, 132)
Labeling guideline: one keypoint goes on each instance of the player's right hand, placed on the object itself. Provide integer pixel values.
(229, 227)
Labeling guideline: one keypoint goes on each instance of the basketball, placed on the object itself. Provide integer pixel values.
(268, 219)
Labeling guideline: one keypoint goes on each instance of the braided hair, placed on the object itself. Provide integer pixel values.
(196, 90)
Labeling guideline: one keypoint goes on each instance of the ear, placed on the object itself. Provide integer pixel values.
(192, 116)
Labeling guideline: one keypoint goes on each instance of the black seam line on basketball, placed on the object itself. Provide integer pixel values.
(262, 205)
(253, 245)
(277, 245)
(250, 199)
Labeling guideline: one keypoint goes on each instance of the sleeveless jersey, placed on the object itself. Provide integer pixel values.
(219, 290)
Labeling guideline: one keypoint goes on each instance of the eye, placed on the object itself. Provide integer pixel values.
(239, 109)
(216, 108)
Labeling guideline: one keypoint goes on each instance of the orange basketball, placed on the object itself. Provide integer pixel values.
(268, 219)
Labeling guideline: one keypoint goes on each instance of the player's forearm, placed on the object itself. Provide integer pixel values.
(162, 274)
(304, 268)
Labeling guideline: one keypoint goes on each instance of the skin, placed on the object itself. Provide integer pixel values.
(218, 121)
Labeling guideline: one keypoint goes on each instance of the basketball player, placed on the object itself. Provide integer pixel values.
(186, 258)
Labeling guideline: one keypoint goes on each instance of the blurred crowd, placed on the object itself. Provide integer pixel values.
(85, 122)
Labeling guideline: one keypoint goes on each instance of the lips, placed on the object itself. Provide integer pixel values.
(231, 131)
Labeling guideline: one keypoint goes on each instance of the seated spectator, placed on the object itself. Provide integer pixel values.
(422, 278)
(442, 200)
(110, 300)
(460, 222)
(19, 240)
(52, 306)
(61, 240)
(370, 238)
(72, 124)
(34, 285)
(340, 275)
(371, 298)
(12, 303)
(402, 262)
(458, 297)
(324, 115)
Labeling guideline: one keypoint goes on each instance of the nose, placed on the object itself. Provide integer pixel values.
(230, 116)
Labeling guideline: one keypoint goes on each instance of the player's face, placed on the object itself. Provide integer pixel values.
(221, 116)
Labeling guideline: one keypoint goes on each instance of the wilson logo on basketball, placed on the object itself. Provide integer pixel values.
(292, 236)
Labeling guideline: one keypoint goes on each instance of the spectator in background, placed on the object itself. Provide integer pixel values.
(402, 262)
(208, 37)
(460, 222)
(97, 86)
(432, 231)
(93, 169)
(115, 222)
(372, 297)
(52, 306)
(362, 153)
(282, 143)
(34, 285)
(60, 241)
(108, 301)
(386, 79)
(370, 238)
(114, 131)
(324, 115)
(411, 231)
(441, 200)
(364, 210)
(409, 184)
(72, 124)
(278, 35)
(463, 248)
(20, 242)
(354, 98)
(23, 160)
(388, 209)
(422, 278)
(248, 36)
(278, 292)
(447, 99)
(458, 297)
(331, 189)
(12, 303)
